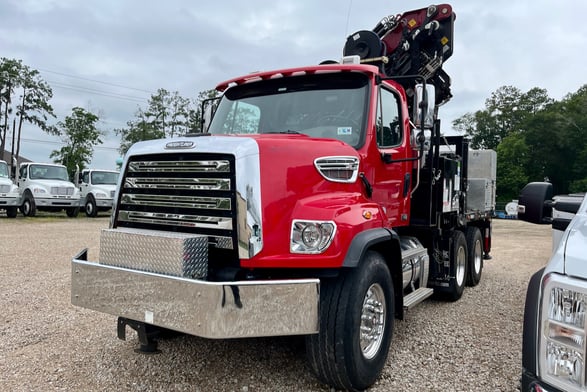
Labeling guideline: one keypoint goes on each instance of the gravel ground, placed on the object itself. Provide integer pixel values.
(48, 344)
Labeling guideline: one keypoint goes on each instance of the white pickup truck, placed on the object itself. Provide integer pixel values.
(554, 347)
(46, 187)
(97, 188)
(9, 197)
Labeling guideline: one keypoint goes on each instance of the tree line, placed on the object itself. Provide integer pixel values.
(536, 138)
(25, 98)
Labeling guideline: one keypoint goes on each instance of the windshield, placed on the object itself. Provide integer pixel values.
(45, 172)
(3, 170)
(103, 177)
(324, 105)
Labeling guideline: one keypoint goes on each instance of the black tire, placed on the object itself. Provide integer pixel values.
(28, 208)
(72, 212)
(458, 265)
(90, 207)
(357, 303)
(11, 212)
(475, 248)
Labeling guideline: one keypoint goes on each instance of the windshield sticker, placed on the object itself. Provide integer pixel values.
(345, 131)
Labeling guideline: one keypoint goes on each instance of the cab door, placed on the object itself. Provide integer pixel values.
(392, 174)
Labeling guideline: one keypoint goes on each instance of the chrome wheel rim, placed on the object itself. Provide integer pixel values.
(461, 265)
(26, 208)
(373, 321)
(477, 261)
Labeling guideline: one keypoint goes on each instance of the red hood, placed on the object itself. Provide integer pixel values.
(288, 175)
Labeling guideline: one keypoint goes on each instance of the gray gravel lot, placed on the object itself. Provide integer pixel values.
(48, 344)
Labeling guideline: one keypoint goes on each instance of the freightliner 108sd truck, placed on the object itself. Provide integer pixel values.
(319, 201)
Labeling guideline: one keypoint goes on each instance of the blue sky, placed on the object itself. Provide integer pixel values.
(109, 56)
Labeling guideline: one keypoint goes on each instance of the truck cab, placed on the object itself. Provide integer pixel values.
(555, 327)
(97, 188)
(9, 196)
(46, 187)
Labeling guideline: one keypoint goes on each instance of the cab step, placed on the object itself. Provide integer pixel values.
(415, 297)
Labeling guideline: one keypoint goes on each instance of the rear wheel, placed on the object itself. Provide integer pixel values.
(458, 261)
(11, 212)
(72, 212)
(90, 207)
(475, 248)
(28, 207)
(356, 326)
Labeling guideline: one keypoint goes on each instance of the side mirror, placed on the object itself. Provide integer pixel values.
(424, 106)
(535, 203)
(77, 176)
(209, 107)
(13, 168)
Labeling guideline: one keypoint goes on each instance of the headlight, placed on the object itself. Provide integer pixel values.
(562, 332)
(39, 190)
(311, 236)
(101, 195)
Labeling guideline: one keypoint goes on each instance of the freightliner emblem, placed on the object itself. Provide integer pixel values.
(179, 145)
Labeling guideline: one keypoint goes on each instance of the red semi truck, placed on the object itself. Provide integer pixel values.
(320, 201)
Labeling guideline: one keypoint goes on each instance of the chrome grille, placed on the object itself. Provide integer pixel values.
(62, 190)
(4, 188)
(184, 193)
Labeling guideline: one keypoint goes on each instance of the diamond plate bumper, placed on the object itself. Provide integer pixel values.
(215, 310)
(163, 252)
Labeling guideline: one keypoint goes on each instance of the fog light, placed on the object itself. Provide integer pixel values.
(564, 362)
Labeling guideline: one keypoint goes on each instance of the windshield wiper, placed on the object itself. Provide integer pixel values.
(288, 132)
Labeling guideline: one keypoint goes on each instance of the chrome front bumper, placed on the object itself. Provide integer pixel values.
(216, 310)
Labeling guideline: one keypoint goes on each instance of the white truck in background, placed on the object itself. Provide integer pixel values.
(97, 188)
(9, 197)
(46, 187)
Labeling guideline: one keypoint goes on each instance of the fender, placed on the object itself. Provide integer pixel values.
(530, 332)
(387, 242)
(366, 239)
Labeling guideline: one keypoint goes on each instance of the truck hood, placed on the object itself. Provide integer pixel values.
(5, 181)
(574, 246)
(54, 183)
(289, 179)
(104, 188)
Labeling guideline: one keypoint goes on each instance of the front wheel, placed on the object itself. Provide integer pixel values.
(356, 326)
(28, 207)
(90, 207)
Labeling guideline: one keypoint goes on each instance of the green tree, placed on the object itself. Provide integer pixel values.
(80, 135)
(506, 111)
(512, 159)
(139, 129)
(536, 138)
(23, 89)
(167, 115)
